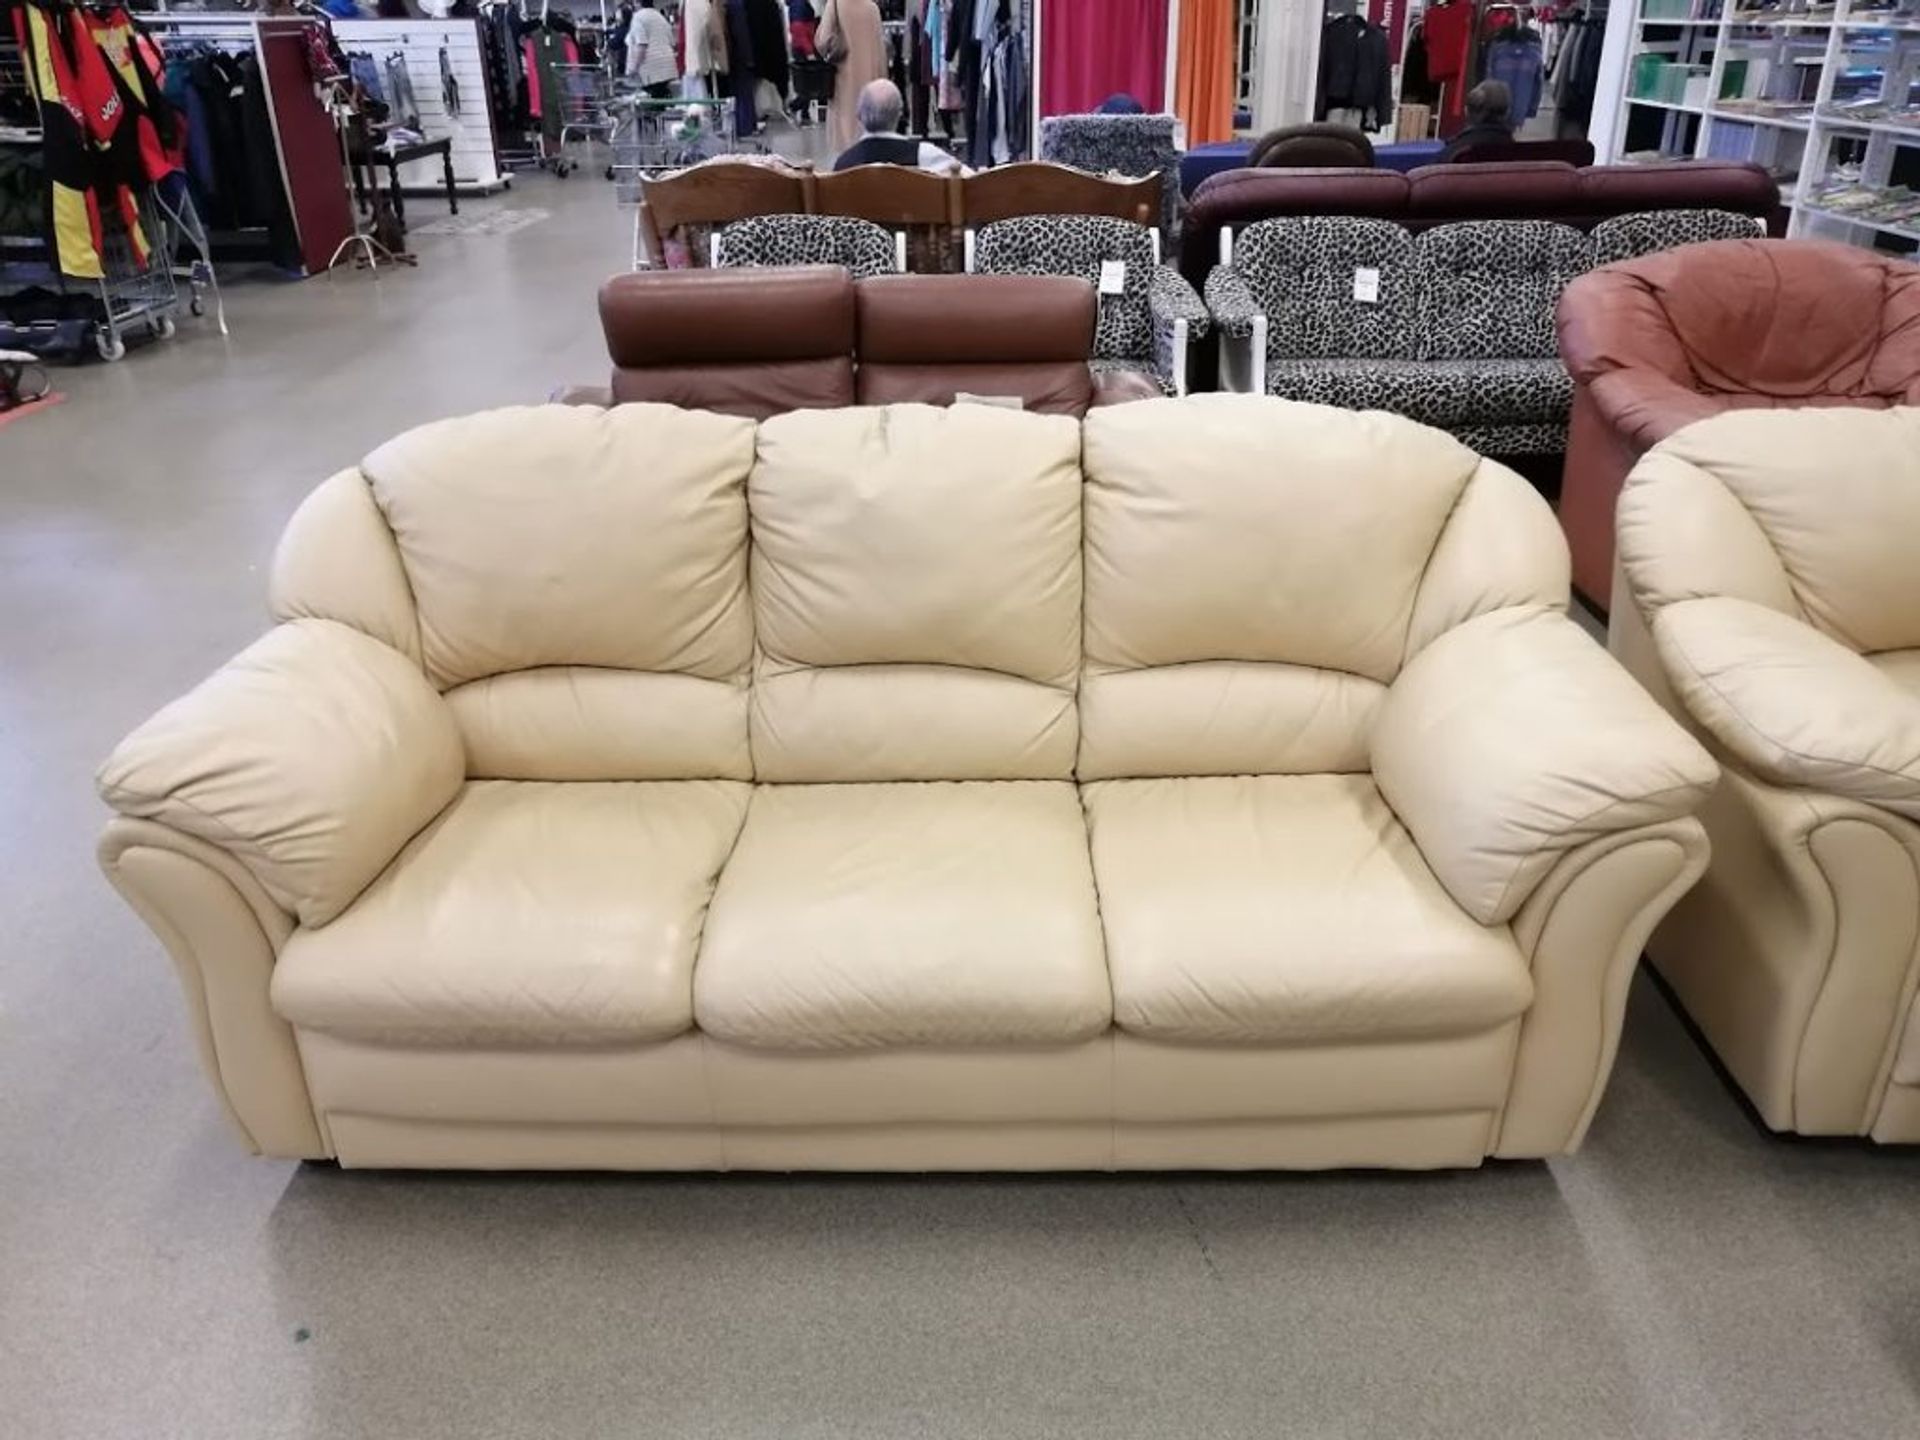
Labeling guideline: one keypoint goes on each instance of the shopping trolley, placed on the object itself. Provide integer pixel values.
(586, 95)
(136, 281)
(647, 139)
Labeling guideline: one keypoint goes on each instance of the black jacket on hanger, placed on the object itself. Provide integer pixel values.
(767, 24)
(1354, 71)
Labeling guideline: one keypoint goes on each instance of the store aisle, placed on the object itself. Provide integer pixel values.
(1683, 1277)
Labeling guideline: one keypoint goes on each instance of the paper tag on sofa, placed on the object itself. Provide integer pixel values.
(1366, 286)
(1113, 277)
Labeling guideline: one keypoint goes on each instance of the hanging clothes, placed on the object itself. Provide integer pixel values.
(1204, 78)
(80, 119)
(742, 75)
(404, 109)
(1449, 34)
(1090, 49)
(767, 25)
(1355, 74)
(854, 25)
(1516, 58)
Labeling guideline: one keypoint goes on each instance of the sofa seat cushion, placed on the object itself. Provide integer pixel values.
(957, 913)
(1285, 909)
(1435, 392)
(529, 913)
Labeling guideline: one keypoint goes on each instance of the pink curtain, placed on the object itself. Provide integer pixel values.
(1090, 49)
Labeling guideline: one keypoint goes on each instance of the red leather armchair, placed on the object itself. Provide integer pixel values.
(1656, 343)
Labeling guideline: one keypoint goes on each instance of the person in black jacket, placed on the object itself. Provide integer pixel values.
(1488, 120)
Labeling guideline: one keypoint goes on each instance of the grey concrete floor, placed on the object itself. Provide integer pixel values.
(1684, 1276)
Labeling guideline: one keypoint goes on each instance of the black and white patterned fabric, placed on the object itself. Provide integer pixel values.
(1304, 271)
(1538, 438)
(1447, 393)
(1172, 299)
(1118, 145)
(1231, 303)
(1078, 245)
(1627, 237)
(1488, 288)
(863, 247)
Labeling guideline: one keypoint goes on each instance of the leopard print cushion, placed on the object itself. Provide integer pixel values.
(1627, 237)
(1302, 269)
(1489, 287)
(1076, 245)
(1538, 438)
(864, 248)
(1447, 393)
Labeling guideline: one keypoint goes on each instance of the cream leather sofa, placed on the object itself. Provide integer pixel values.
(1219, 784)
(1769, 594)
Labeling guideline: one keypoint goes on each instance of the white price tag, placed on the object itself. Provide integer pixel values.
(1113, 277)
(1366, 286)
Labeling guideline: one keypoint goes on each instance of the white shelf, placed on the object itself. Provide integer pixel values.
(1905, 232)
(1674, 106)
(1790, 55)
(1903, 134)
(1747, 117)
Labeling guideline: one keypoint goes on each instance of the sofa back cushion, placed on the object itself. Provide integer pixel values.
(578, 580)
(860, 246)
(1627, 237)
(932, 338)
(1255, 575)
(1489, 287)
(1834, 492)
(1310, 274)
(753, 342)
(916, 594)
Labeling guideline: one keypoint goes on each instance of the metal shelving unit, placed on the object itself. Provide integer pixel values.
(1801, 68)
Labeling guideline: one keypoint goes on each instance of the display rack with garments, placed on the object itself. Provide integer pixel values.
(1576, 67)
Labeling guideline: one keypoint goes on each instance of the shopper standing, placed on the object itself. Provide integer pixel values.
(849, 36)
(650, 51)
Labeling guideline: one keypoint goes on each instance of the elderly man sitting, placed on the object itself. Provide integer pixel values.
(880, 108)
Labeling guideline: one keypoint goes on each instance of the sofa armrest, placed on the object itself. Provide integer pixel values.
(1514, 738)
(1645, 407)
(1231, 302)
(1799, 708)
(1179, 318)
(310, 758)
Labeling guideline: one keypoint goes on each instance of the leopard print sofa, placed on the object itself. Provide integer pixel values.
(1453, 327)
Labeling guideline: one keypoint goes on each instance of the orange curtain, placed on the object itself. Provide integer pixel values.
(1203, 69)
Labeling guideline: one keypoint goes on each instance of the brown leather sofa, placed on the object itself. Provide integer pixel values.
(760, 342)
(1440, 194)
(932, 338)
(1657, 343)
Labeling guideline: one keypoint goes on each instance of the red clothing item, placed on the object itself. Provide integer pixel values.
(1449, 31)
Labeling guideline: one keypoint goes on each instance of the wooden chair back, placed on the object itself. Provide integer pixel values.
(1037, 187)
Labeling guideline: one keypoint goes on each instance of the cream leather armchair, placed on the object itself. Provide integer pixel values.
(1217, 783)
(1769, 594)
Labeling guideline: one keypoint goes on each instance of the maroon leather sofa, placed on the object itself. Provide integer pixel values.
(1438, 194)
(1656, 343)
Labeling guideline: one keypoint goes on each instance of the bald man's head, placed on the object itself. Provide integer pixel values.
(880, 107)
